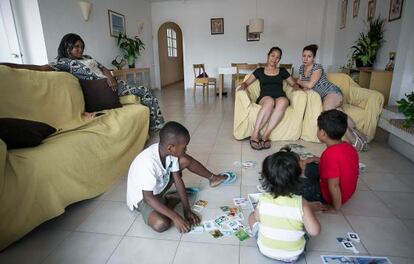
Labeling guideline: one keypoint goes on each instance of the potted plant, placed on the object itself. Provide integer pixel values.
(131, 48)
(406, 106)
(364, 52)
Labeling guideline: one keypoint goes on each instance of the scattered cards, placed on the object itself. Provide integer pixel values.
(245, 164)
(216, 233)
(197, 229)
(253, 200)
(300, 150)
(209, 225)
(221, 219)
(354, 237)
(240, 201)
(332, 259)
(348, 245)
(233, 212)
(199, 206)
(241, 234)
(340, 239)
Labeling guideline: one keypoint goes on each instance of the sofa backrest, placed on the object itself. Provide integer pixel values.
(54, 98)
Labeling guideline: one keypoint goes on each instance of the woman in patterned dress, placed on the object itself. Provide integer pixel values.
(71, 59)
(312, 76)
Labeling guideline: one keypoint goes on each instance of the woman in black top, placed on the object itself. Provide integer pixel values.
(272, 98)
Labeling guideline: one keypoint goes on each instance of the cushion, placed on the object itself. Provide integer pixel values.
(202, 75)
(98, 95)
(20, 133)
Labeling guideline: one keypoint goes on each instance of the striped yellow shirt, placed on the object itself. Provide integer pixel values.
(281, 233)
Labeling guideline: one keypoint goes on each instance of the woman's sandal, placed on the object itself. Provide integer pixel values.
(255, 144)
(360, 143)
(266, 144)
(230, 178)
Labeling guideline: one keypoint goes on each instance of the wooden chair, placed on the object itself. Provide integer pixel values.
(202, 81)
(261, 65)
(288, 67)
(243, 70)
(233, 76)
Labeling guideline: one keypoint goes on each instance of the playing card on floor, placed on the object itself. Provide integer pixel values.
(197, 229)
(209, 225)
(216, 233)
(240, 201)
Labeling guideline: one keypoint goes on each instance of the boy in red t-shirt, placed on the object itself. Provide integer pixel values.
(336, 180)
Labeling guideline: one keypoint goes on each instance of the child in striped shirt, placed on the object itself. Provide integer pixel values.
(281, 217)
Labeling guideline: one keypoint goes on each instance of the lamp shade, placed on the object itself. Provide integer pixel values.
(256, 25)
(85, 9)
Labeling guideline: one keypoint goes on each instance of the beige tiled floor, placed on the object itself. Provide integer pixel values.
(103, 230)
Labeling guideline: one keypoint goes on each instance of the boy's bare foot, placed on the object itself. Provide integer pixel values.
(172, 200)
(216, 180)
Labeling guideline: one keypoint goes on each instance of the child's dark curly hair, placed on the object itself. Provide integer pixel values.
(281, 173)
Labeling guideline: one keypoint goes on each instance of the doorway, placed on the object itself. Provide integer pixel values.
(170, 50)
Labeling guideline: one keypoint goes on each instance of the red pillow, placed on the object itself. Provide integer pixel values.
(98, 95)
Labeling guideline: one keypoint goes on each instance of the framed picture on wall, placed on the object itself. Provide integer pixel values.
(371, 9)
(344, 6)
(355, 8)
(251, 36)
(217, 26)
(116, 23)
(395, 10)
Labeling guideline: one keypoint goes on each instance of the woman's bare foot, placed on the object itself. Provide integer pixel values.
(216, 180)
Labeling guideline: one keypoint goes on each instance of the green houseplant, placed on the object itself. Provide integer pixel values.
(131, 48)
(364, 52)
(406, 106)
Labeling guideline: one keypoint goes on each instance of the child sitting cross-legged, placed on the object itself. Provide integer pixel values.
(281, 217)
(153, 172)
(332, 182)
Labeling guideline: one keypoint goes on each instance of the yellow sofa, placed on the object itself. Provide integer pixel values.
(246, 111)
(80, 161)
(363, 105)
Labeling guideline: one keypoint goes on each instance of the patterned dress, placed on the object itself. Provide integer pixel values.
(322, 86)
(88, 68)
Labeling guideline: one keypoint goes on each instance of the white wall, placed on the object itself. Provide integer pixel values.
(403, 77)
(289, 24)
(347, 36)
(62, 17)
(29, 31)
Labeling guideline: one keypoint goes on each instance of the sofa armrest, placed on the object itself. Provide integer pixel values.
(366, 99)
(129, 99)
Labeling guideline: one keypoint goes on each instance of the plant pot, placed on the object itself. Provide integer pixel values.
(131, 62)
(360, 64)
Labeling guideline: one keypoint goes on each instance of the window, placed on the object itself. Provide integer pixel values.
(172, 42)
